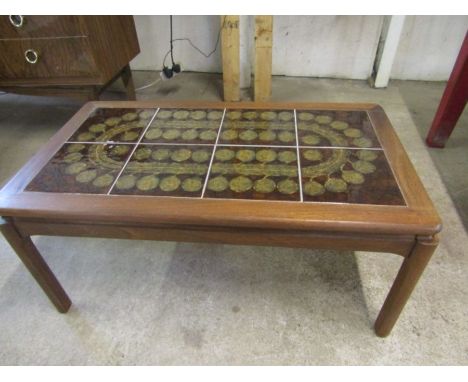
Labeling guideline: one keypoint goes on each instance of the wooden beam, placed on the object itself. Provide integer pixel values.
(246, 33)
(231, 57)
(263, 57)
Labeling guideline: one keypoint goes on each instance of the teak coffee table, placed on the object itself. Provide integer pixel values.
(286, 174)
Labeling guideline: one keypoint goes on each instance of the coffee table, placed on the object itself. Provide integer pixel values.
(275, 174)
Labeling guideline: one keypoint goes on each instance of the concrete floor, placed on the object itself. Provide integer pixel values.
(422, 99)
(138, 302)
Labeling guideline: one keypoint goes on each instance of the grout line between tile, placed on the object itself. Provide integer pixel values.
(223, 145)
(213, 154)
(298, 157)
(248, 145)
(100, 143)
(176, 144)
(131, 153)
(342, 148)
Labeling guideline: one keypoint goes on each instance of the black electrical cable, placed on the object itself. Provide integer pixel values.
(206, 55)
(172, 45)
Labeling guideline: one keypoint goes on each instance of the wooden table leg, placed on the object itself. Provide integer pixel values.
(30, 256)
(407, 278)
(127, 79)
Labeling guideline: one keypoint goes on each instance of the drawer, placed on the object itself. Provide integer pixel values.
(39, 26)
(56, 58)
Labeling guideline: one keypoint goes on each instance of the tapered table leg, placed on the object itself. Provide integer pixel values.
(30, 256)
(127, 79)
(407, 278)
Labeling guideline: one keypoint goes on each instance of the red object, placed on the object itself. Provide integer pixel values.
(453, 101)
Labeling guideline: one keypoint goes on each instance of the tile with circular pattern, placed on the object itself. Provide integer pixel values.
(189, 126)
(82, 168)
(258, 127)
(348, 176)
(165, 170)
(113, 125)
(259, 173)
(335, 129)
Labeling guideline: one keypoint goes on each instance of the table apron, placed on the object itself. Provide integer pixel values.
(397, 244)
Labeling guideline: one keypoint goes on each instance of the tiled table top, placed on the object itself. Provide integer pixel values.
(293, 155)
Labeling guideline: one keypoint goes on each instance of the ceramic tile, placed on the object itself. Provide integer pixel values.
(190, 126)
(165, 170)
(335, 129)
(258, 127)
(114, 125)
(348, 176)
(260, 173)
(82, 168)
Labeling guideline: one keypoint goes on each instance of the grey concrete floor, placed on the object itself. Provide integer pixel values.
(422, 100)
(139, 302)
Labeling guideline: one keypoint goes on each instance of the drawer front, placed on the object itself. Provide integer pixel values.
(45, 59)
(39, 26)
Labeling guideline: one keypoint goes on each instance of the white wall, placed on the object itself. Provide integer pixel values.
(316, 46)
(325, 46)
(153, 36)
(428, 47)
(319, 46)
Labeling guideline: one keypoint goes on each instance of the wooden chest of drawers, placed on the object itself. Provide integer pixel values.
(66, 55)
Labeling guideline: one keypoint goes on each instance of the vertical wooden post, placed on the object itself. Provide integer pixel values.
(230, 57)
(263, 57)
(246, 34)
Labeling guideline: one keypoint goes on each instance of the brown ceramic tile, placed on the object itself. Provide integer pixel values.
(114, 125)
(190, 126)
(348, 176)
(258, 127)
(165, 170)
(335, 129)
(260, 173)
(82, 168)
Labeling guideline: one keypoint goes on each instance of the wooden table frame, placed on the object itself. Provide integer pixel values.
(409, 231)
